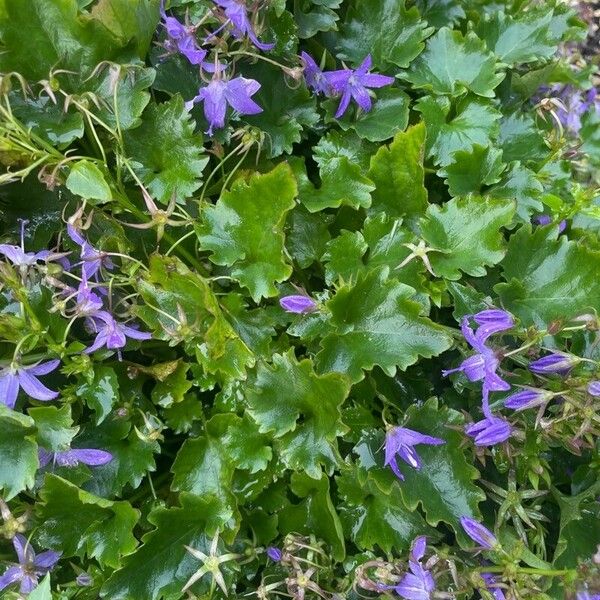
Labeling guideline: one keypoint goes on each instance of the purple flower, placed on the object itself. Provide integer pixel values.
(84, 579)
(489, 431)
(478, 533)
(593, 388)
(298, 304)
(586, 595)
(30, 568)
(237, 14)
(181, 38)
(547, 220)
(111, 333)
(400, 440)
(88, 303)
(71, 458)
(219, 93)
(483, 365)
(354, 85)
(315, 78)
(20, 258)
(554, 363)
(17, 376)
(492, 586)
(274, 554)
(527, 399)
(93, 260)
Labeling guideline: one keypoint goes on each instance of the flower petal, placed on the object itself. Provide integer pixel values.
(11, 575)
(9, 389)
(34, 388)
(91, 457)
(46, 560)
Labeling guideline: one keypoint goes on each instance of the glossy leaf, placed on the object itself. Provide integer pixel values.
(454, 64)
(101, 392)
(87, 181)
(377, 323)
(80, 523)
(54, 426)
(244, 230)
(168, 155)
(466, 233)
(548, 277)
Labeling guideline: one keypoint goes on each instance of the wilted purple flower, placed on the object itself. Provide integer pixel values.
(30, 568)
(72, 457)
(354, 84)
(219, 93)
(92, 259)
(400, 440)
(237, 14)
(112, 334)
(492, 586)
(478, 533)
(547, 220)
(274, 554)
(298, 304)
(593, 388)
(554, 363)
(18, 376)
(316, 80)
(489, 431)
(527, 399)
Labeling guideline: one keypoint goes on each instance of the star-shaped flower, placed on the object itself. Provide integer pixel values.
(400, 440)
(15, 376)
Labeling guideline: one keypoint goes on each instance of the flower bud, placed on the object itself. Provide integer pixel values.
(478, 533)
(527, 399)
(557, 362)
(298, 304)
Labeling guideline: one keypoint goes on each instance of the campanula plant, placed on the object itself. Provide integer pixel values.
(299, 299)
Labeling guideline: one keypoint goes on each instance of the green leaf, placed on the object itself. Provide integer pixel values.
(520, 139)
(342, 181)
(187, 297)
(466, 231)
(315, 514)
(173, 388)
(444, 486)
(578, 539)
(385, 29)
(548, 277)
(388, 116)
(286, 110)
(40, 35)
(522, 185)
(521, 39)
(161, 567)
(301, 409)
(473, 169)
(371, 517)
(86, 180)
(180, 417)
(81, 524)
(54, 425)
(377, 324)
(454, 64)
(244, 230)
(307, 236)
(398, 174)
(42, 591)
(168, 155)
(474, 122)
(129, 20)
(18, 452)
(50, 121)
(441, 12)
(101, 392)
(133, 456)
(312, 19)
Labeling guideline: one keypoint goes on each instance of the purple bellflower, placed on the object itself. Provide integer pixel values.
(18, 257)
(31, 566)
(221, 92)
(400, 440)
(492, 586)
(479, 533)
(93, 260)
(181, 39)
(26, 377)
(237, 14)
(593, 388)
(483, 365)
(543, 220)
(298, 304)
(315, 79)
(274, 554)
(355, 84)
(112, 334)
(418, 584)
(554, 363)
(527, 398)
(72, 457)
(88, 303)
(489, 431)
